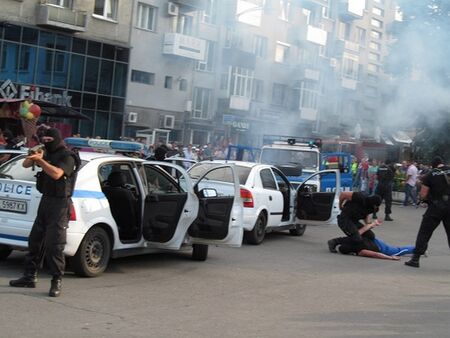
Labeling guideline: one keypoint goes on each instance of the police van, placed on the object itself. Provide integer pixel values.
(123, 206)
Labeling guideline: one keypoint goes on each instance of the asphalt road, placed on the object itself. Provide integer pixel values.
(286, 287)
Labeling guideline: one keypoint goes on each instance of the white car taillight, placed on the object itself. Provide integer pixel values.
(73, 215)
(247, 197)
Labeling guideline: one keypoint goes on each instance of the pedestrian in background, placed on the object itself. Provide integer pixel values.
(436, 190)
(385, 177)
(410, 184)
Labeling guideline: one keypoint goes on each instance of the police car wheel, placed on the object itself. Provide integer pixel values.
(93, 254)
(299, 230)
(199, 252)
(256, 236)
(5, 251)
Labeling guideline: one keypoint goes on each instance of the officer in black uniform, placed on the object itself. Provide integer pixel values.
(385, 177)
(355, 206)
(436, 191)
(48, 235)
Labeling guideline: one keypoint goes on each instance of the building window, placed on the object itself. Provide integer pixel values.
(183, 85)
(184, 24)
(201, 103)
(281, 52)
(375, 46)
(373, 68)
(106, 9)
(375, 35)
(61, 3)
(309, 94)
(258, 87)
(326, 10)
(376, 23)
(377, 11)
(260, 46)
(279, 94)
(168, 82)
(360, 36)
(374, 57)
(207, 64)
(146, 17)
(350, 66)
(344, 30)
(241, 81)
(209, 14)
(24, 59)
(285, 8)
(142, 77)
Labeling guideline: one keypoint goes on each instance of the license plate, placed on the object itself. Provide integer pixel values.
(13, 205)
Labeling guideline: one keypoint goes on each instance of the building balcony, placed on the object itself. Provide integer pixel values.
(349, 83)
(184, 45)
(61, 18)
(342, 46)
(313, 4)
(316, 35)
(239, 103)
(305, 72)
(191, 4)
(309, 114)
(237, 57)
(351, 9)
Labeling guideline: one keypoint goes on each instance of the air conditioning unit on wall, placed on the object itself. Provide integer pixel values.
(132, 117)
(172, 9)
(169, 122)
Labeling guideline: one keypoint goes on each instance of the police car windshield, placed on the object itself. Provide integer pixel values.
(15, 171)
(307, 159)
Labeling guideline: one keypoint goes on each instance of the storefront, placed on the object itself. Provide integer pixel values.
(75, 74)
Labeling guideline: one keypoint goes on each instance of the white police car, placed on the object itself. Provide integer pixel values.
(123, 206)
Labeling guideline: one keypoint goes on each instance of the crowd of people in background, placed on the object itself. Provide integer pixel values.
(407, 177)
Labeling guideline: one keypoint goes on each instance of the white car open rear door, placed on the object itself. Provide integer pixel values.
(220, 215)
(315, 207)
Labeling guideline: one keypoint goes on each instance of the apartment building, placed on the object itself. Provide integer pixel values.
(242, 70)
(74, 53)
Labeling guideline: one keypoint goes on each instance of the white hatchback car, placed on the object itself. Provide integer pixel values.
(123, 206)
(271, 203)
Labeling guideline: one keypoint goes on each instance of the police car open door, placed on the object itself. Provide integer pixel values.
(315, 207)
(171, 208)
(220, 215)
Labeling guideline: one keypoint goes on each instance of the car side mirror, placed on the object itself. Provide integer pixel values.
(208, 192)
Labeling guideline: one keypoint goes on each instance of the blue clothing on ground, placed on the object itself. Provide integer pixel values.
(393, 250)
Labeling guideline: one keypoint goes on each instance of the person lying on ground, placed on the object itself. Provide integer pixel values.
(370, 246)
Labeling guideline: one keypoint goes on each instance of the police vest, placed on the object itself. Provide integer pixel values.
(64, 186)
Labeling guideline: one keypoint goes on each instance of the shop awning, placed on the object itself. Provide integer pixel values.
(401, 137)
(52, 109)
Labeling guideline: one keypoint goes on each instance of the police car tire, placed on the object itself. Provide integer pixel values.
(93, 254)
(257, 234)
(299, 230)
(5, 251)
(199, 252)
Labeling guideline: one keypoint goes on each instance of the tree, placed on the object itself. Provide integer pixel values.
(418, 61)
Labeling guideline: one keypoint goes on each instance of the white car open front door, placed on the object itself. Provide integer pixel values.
(315, 207)
(220, 215)
(170, 205)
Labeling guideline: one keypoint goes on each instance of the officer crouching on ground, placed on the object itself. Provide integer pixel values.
(436, 192)
(56, 182)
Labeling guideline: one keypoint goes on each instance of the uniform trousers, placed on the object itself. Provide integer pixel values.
(48, 236)
(436, 212)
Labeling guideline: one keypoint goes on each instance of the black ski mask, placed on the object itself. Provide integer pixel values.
(56, 143)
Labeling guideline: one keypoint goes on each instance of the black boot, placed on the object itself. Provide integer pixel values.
(388, 218)
(414, 261)
(55, 289)
(26, 281)
(332, 244)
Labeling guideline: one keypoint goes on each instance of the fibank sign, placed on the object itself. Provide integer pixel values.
(8, 90)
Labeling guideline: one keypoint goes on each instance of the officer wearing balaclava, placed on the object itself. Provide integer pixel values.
(48, 234)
